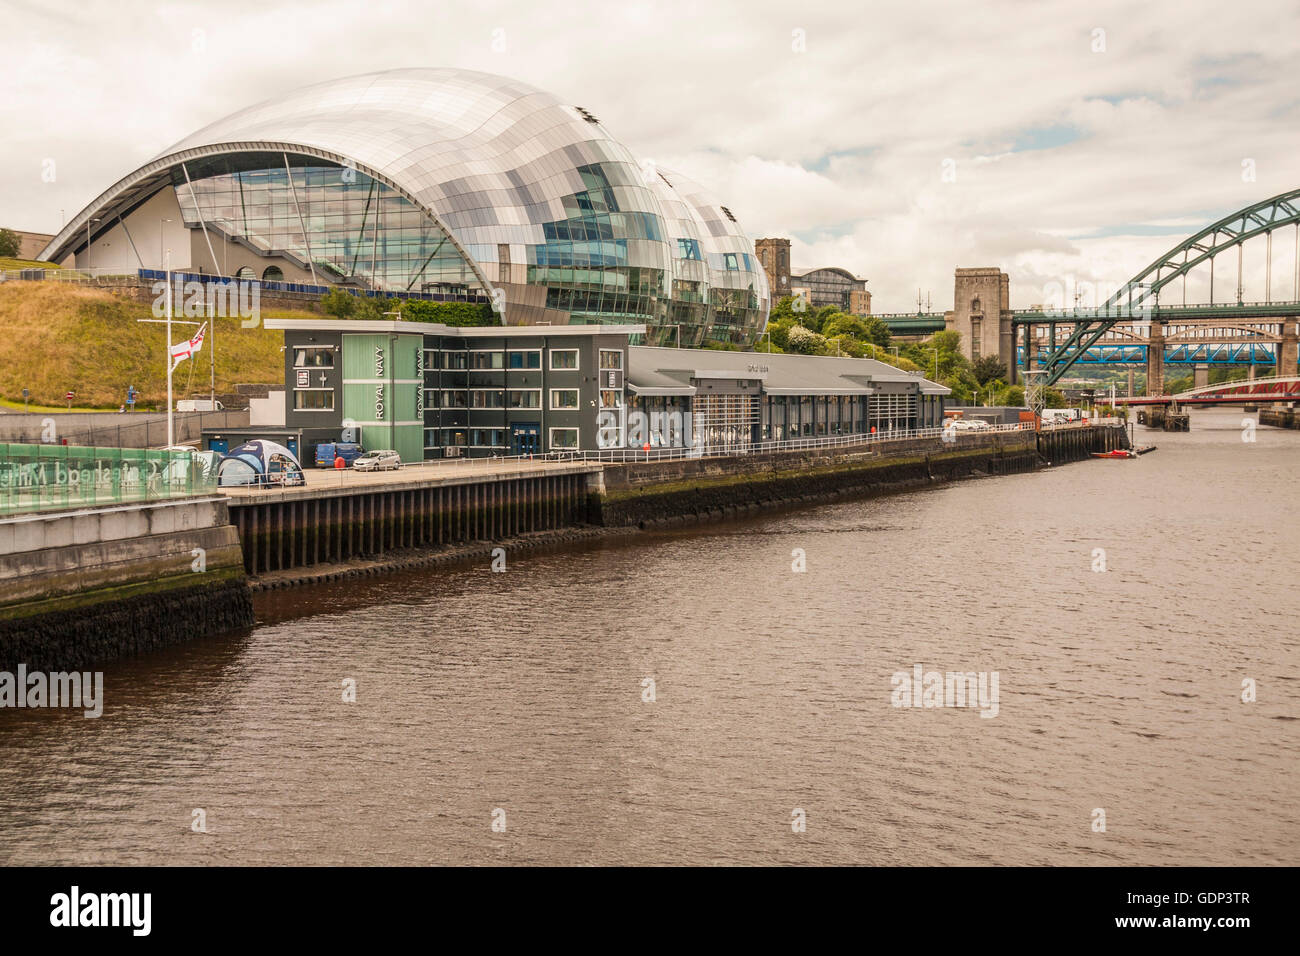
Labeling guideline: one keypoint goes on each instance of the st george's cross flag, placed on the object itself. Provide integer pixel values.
(183, 350)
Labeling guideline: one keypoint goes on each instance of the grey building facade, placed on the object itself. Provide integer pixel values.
(431, 391)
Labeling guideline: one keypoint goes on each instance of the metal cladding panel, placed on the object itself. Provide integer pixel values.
(535, 190)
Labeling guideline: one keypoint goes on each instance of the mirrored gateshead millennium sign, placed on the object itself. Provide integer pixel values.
(439, 182)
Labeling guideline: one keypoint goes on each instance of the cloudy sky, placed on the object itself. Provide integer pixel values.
(1066, 142)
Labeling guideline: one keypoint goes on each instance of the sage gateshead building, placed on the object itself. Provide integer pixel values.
(445, 184)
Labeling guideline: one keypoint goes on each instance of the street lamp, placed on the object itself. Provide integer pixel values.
(768, 336)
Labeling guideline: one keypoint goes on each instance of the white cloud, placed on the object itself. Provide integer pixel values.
(840, 146)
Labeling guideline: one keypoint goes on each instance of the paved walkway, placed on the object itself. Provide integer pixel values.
(327, 480)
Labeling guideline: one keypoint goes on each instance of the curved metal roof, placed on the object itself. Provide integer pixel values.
(844, 272)
(455, 142)
(502, 167)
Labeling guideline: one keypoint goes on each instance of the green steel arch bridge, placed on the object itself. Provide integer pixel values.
(1134, 327)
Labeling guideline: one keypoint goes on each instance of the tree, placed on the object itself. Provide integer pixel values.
(846, 325)
(805, 341)
(877, 331)
(338, 303)
(784, 309)
(1012, 395)
(987, 368)
(10, 244)
(777, 331)
(817, 320)
(447, 313)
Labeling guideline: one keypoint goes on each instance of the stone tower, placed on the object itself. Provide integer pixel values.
(774, 254)
(981, 312)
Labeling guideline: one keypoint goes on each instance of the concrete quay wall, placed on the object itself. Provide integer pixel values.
(85, 586)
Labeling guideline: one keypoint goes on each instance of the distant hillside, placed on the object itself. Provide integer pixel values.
(56, 337)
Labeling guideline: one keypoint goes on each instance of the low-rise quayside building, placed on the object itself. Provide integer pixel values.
(433, 391)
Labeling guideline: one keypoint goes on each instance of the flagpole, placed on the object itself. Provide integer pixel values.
(212, 359)
(171, 422)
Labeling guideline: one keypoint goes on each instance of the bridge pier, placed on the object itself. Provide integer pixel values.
(1156, 359)
(1200, 376)
(1288, 350)
(1018, 377)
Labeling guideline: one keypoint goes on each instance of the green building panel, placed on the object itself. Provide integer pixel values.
(382, 388)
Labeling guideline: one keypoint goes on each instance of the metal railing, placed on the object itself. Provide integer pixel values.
(121, 429)
(720, 450)
(58, 477)
(496, 464)
(92, 276)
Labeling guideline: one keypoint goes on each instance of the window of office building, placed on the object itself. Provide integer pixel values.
(611, 398)
(453, 360)
(611, 359)
(524, 398)
(564, 359)
(487, 398)
(314, 400)
(487, 437)
(564, 398)
(564, 438)
(486, 360)
(313, 357)
(525, 359)
(454, 399)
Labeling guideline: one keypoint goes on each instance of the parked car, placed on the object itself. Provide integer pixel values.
(382, 460)
(199, 405)
(327, 451)
(969, 425)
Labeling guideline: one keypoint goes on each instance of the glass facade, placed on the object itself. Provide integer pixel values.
(345, 226)
(737, 294)
(829, 287)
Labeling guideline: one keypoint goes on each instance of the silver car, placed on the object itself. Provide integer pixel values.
(383, 460)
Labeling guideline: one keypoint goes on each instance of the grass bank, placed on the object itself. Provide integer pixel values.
(55, 338)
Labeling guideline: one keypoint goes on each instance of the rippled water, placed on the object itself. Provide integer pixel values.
(523, 691)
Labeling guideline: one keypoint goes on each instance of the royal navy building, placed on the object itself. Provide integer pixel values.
(432, 391)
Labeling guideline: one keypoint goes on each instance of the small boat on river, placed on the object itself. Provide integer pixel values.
(1123, 453)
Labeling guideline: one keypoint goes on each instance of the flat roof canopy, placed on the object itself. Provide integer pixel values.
(371, 326)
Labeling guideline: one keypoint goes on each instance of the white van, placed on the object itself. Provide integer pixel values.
(199, 405)
(1061, 416)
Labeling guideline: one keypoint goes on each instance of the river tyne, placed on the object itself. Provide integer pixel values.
(689, 697)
